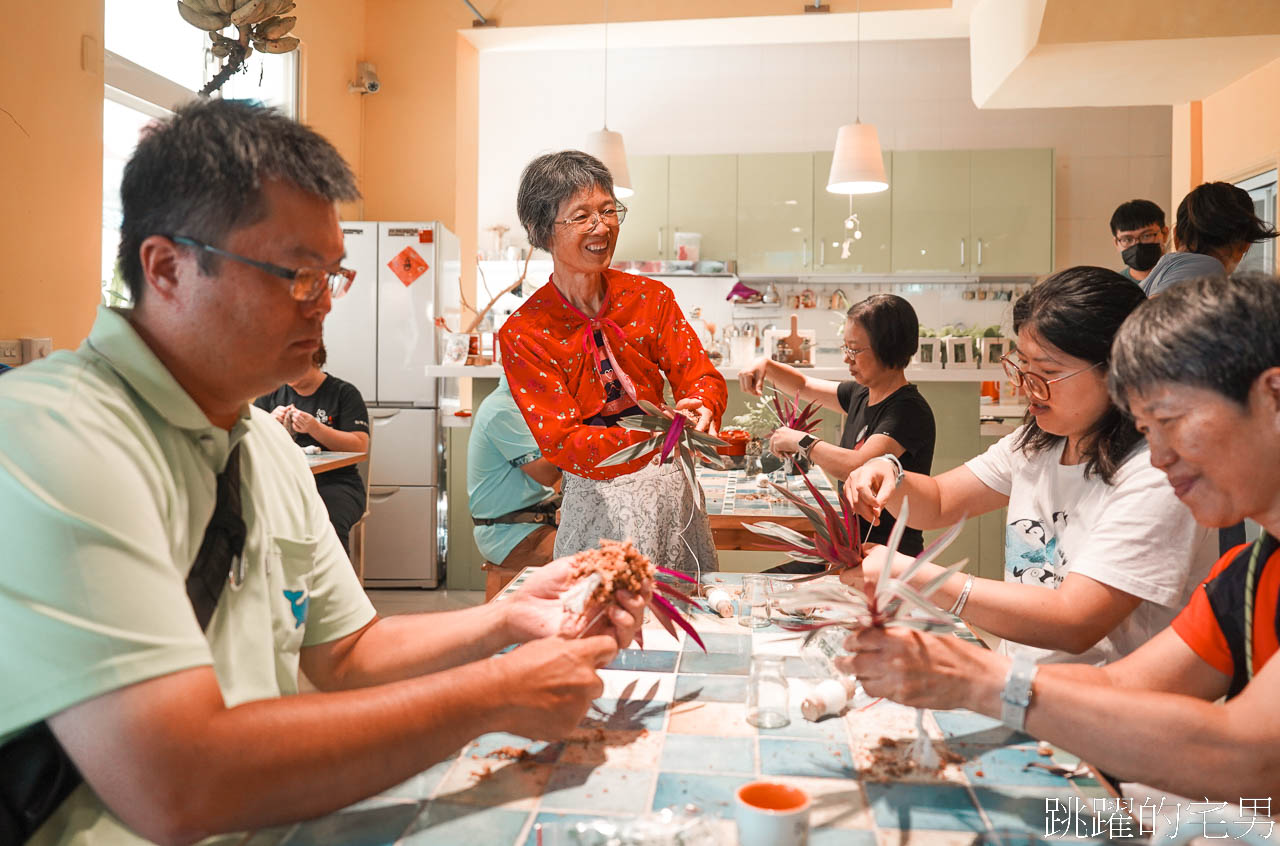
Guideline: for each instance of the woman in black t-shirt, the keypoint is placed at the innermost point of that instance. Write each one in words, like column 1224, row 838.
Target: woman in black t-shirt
column 886, row 413
column 325, row 411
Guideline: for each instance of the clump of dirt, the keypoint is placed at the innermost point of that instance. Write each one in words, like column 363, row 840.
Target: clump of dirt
column 618, row 563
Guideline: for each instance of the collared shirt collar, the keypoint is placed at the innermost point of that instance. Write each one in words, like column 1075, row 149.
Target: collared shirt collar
column 118, row 343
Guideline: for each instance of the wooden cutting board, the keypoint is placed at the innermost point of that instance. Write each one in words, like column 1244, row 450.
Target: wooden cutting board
column 793, row 343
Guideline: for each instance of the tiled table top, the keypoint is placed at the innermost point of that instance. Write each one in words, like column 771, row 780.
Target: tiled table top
column 671, row 729
column 732, row 493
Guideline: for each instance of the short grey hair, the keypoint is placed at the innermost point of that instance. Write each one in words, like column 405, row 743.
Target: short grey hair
column 1216, row 333
column 548, row 181
column 200, row 172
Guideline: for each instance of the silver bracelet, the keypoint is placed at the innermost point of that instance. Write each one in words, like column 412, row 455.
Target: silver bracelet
column 963, row 597
column 892, row 459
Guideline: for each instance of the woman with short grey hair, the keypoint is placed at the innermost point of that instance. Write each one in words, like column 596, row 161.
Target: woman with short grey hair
column 581, row 353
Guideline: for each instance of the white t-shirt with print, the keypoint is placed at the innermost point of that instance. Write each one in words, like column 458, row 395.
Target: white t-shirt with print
column 1133, row 535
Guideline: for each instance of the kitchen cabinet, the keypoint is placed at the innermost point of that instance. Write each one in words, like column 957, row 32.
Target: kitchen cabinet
column 643, row 234
column 973, row 211
column 775, row 213
column 1011, row 199
column 931, row 210
column 702, row 197
column 872, row 253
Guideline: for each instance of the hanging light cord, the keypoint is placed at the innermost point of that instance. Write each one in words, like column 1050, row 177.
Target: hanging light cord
column 857, row 107
column 606, row 63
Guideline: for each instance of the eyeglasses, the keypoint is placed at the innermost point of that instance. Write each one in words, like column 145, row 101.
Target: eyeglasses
column 852, row 352
column 1037, row 387
column 308, row 282
column 1148, row 237
column 584, row 222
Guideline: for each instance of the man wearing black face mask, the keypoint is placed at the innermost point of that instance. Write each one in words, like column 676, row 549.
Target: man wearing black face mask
column 1140, row 233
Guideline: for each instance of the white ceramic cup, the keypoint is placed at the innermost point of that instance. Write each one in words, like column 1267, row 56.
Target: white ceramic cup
column 770, row 813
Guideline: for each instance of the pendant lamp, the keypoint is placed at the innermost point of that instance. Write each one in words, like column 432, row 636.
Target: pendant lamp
column 858, row 165
column 605, row 144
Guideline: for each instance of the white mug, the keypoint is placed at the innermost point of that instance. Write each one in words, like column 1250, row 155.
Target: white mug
column 771, row 813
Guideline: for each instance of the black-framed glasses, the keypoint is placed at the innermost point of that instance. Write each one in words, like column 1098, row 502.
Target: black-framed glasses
column 585, row 222
column 1150, row 236
column 308, row 282
column 1037, row 387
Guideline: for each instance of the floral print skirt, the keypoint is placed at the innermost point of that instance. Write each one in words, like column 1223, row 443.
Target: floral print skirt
column 652, row 507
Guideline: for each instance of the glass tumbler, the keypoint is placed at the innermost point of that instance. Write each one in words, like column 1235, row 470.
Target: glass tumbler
column 753, row 608
column 767, row 693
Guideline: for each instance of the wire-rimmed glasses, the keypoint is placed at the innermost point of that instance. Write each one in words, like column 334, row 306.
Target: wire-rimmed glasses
column 1036, row 386
column 587, row 221
column 307, row 282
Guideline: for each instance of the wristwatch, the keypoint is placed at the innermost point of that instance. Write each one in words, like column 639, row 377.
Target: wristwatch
column 806, row 443
column 1016, row 696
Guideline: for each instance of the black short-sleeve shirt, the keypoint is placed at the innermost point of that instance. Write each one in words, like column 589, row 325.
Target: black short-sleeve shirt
column 336, row 404
column 904, row 416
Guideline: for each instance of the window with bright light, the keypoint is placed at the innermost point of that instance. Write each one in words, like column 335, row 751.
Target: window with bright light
column 166, row 61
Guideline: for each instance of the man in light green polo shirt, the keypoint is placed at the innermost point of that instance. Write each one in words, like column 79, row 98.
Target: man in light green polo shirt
column 109, row 455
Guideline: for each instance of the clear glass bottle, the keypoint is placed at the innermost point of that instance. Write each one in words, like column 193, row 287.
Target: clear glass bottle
column 768, row 694
column 835, row 691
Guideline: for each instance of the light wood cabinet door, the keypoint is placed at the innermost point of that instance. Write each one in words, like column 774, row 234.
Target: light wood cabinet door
column 872, row 253
column 702, row 197
column 644, row 234
column 1012, row 210
column 931, row 202
column 775, row 213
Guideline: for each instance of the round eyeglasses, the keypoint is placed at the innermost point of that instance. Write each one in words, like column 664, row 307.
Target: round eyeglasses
column 1037, row 387
column 307, row 282
column 585, row 222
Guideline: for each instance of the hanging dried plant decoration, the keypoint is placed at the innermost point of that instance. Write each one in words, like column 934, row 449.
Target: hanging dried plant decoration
column 260, row 24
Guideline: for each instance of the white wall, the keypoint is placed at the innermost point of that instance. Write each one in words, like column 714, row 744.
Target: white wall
column 791, row 98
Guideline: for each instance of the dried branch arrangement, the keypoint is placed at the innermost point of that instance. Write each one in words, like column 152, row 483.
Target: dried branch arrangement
column 261, row 25
column 618, row 565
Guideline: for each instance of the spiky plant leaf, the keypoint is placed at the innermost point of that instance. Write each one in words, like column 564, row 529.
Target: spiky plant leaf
column 630, row 453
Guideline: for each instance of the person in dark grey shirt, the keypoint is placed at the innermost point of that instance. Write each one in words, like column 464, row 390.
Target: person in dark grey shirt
column 1215, row 226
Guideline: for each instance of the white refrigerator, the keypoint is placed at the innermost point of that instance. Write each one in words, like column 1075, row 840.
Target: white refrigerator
column 380, row 337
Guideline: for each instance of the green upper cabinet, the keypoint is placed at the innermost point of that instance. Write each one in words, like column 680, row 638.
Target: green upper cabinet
column 931, row 200
column 872, row 252
column 644, row 233
column 775, row 213
column 702, row 197
column 1012, row 204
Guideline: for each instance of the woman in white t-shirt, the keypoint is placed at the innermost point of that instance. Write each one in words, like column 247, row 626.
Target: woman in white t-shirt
column 1099, row 553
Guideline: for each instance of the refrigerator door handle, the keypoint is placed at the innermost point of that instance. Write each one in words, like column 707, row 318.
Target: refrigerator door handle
column 382, row 493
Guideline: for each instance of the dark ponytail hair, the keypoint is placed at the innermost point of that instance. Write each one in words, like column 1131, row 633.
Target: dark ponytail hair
column 1218, row 216
column 1079, row 310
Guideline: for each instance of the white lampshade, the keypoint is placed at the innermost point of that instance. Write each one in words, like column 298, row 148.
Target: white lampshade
column 857, row 166
column 606, row 145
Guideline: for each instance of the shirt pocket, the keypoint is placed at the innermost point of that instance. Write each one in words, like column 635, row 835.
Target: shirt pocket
column 290, row 590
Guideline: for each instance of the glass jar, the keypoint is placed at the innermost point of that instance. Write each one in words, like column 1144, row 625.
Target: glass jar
column 753, row 604
column 768, row 695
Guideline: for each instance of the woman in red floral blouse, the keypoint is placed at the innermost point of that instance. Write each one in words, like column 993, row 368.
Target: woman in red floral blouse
column 583, row 349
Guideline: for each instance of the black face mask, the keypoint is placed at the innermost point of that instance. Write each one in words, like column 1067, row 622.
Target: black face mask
column 1142, row 256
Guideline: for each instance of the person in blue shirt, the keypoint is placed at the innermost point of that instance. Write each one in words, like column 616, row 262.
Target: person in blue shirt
column 510, row 490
